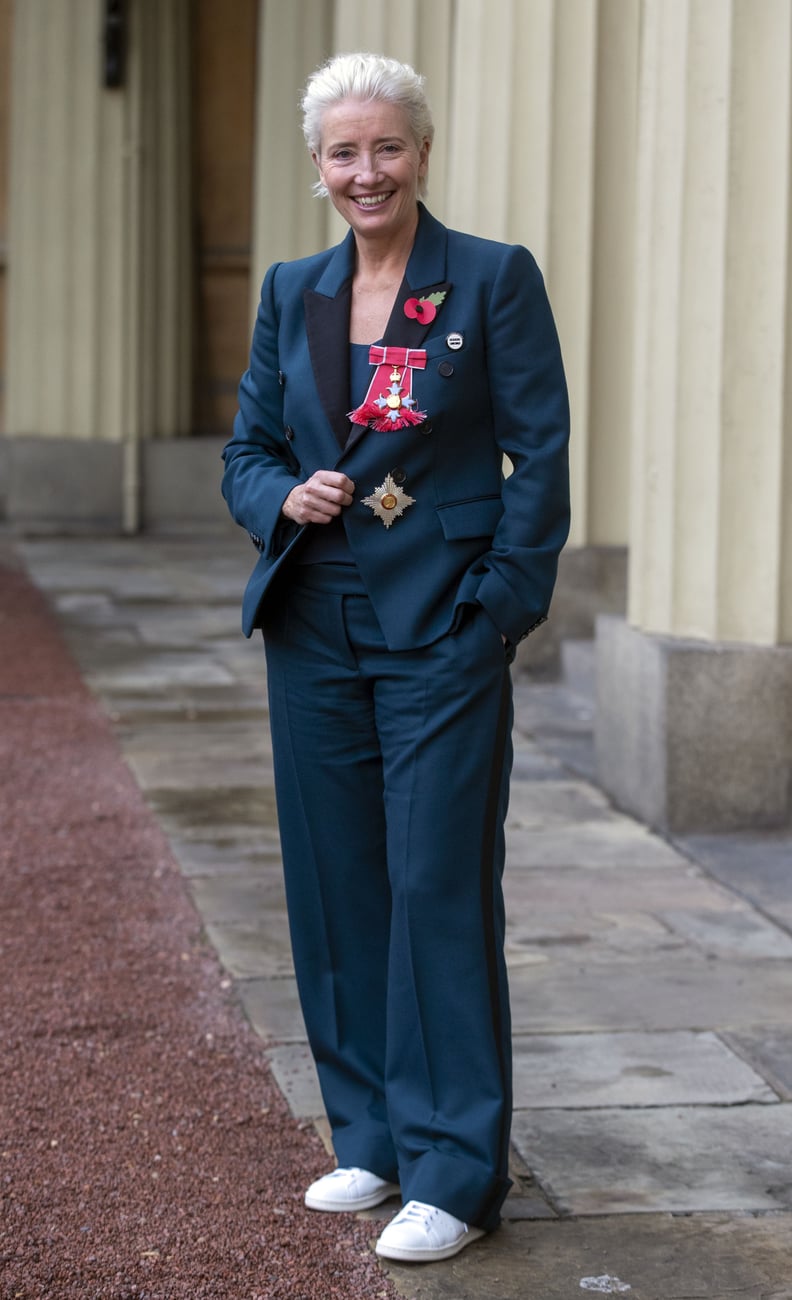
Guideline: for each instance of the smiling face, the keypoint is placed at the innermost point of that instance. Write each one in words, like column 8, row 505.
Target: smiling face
column 371, row 166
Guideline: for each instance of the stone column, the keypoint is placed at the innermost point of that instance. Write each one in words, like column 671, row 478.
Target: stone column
column 607, row 431
column 521, row 159
column 288, row 221
column 99, row 281
column 694, row 726
column 542, row 152
column 66, row 216
column 157, row 363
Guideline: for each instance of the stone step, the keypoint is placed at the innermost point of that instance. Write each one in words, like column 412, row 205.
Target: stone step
column 579, row 667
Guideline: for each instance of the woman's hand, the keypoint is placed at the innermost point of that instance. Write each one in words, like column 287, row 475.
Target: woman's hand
column 320, row 499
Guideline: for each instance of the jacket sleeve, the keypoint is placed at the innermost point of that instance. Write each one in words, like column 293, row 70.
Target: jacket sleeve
column 531, row 420
column 260, row 467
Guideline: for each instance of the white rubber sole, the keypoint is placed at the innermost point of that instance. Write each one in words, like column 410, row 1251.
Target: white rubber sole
column 347, row 1206
column 428, row 1254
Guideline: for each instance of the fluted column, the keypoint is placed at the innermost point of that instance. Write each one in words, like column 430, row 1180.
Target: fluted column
column 159, row 254
column 500, row 137
column 99, row 286
column 542, row 152
column 608, row 427
column 695, row 718
column 64, row 304
column 713, row 266
column 288, row 221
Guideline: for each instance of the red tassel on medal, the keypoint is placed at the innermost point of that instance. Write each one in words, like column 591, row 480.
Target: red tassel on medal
column 389, row 403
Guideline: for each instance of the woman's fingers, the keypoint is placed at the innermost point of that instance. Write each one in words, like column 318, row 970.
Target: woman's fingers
column 323, row 496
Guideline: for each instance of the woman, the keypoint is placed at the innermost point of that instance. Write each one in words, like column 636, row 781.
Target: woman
column 388, row 378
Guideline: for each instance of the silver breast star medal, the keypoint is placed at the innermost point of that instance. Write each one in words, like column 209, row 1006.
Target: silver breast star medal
column 388, row 501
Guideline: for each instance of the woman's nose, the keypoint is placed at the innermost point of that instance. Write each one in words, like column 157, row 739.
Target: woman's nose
column 367, row 166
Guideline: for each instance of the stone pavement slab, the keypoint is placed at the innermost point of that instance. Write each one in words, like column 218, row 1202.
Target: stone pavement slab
column 174, row 754
column 770, row 1048
column 682, row 991
column 532, row 764
column 273, row 1008
column 556, row 801
column 647, row 1257
column 579, row 1071
column 241, row 811
column 741, row 933
column 612, row 842
column 294, row 1069
column 551, row 712
column 136, row 709
column 258, row 948
column 613, row 891
column 576, row 936
column 241, row 897
column 210, row 860
column 759, row 867
column 681, row 1159
column 156, row 671
column 158, row 622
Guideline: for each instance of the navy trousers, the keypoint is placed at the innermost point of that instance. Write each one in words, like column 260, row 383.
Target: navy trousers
column 392, row 773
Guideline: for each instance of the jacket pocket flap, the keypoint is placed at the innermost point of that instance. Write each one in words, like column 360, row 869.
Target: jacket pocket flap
column 477, row 517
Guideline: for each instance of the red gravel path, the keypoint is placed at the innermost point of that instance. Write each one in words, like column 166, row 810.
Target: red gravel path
column 145, row 1151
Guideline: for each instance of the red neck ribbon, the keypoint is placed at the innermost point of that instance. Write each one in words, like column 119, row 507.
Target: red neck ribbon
column 389, row 403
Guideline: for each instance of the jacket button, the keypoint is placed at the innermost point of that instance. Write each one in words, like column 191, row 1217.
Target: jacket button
column 398, row 475
column 426, row 427
column 289, row 432
column 281, row 378
column 445, row 369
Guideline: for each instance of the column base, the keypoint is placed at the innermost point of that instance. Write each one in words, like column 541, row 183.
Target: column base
column 75, row 485
column 693, row 736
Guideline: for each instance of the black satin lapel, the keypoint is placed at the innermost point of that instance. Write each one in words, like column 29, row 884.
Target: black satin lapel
column 404, row 331
column 327, row 329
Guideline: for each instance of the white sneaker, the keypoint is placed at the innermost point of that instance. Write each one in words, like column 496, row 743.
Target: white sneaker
column 350, row 1190
column 421, row 1233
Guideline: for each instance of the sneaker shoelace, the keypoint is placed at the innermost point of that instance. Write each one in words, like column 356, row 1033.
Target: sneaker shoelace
column 418, row 1212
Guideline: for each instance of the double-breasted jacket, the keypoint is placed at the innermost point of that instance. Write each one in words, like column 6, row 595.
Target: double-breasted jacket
column 492, row 386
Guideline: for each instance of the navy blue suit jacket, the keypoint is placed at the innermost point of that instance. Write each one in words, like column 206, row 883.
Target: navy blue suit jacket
column 472, row 535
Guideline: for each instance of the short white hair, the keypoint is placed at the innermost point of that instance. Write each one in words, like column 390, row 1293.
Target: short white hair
column 365, row 77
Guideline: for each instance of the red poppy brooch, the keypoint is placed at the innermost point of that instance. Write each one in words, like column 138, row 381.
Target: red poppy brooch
column 424, row 309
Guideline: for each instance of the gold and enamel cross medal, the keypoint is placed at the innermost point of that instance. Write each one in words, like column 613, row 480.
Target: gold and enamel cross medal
column 389, row 403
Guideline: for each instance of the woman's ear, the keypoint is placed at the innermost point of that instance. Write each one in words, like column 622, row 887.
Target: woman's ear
column 423, row 157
